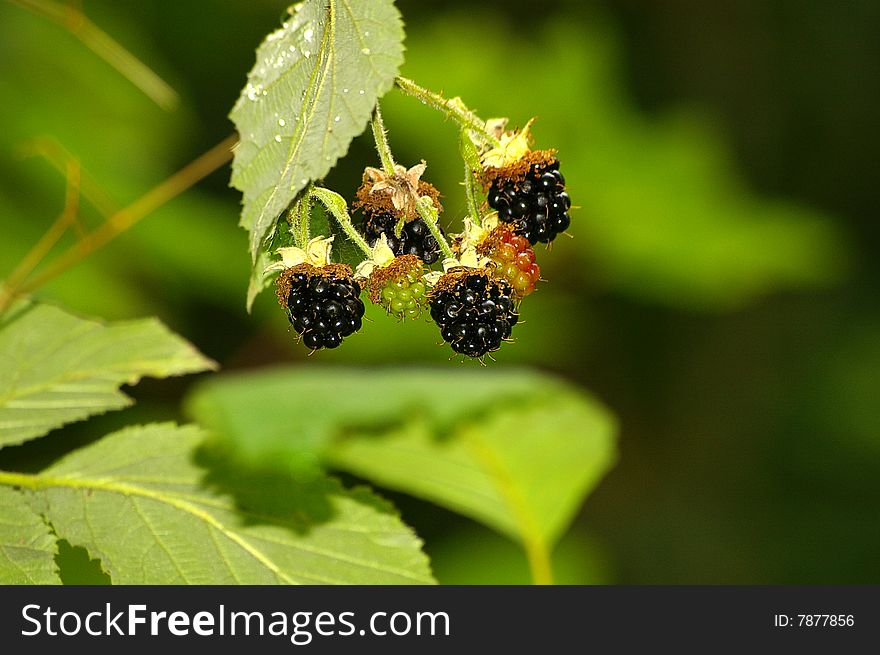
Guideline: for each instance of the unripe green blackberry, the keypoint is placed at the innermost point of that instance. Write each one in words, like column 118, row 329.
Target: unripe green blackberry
column 322, row 302
column 399, row 287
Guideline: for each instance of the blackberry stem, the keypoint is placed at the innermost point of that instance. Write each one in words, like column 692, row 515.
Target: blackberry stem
column 337, row 206
column 300, row 217
column 471, row 165
column 425, row 208
column 380, row 136
column 454, row 108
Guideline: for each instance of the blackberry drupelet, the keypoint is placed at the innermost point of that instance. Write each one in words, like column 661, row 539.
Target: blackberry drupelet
column 323, row 305
column 513, row 260
column 474, row 311
column 535, row 205
column 415, row 239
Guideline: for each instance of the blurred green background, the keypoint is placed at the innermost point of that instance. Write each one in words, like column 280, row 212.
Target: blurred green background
column 719, row 292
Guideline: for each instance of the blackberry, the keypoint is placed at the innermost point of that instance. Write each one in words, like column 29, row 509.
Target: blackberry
column 415, row 239
column 513, row 259
column 533, row 201
column 323, row 303
column 399, row 286
column 475, row 312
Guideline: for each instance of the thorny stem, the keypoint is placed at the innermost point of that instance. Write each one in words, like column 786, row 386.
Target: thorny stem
column 454, row 108
column 60, row 159
column 471, row 193
column 36, row 254
column 300, row 218
column 127, row 217
column 425, row 207
column 380, row 136
column 471, row 165
column 103, row 45
column 336, row 205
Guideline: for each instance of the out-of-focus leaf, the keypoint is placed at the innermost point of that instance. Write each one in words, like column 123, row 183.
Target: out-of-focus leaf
column 136, row 501
column 27, row 547
column 514, row 449
column 310, row 93
column 56, row 368
column 490, row 559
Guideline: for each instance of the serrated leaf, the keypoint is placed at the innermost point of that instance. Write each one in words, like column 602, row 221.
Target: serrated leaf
column 56, row 368
column 310, row 93
column 517, row 450
column 138, row 502
column 27, row 546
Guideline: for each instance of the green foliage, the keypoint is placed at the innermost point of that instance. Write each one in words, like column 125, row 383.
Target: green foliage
column 311, row 92
column 56, row 368
column 516, row 450
column 27, row 547
column 137, row 502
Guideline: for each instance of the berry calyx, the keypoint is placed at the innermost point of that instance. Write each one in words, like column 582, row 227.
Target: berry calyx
column 529, row 195
column 386, row 199
column 512, row 259
column 323, row 303
column 474, row 311
column 399, row 287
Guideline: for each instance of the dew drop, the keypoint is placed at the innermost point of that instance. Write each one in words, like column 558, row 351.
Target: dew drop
column 308, row 34
column 281, row 122
column 336, row 119
column 345, row 90
column 365, row 51
column 361, row 92
column 307, row 54
column 278, row 138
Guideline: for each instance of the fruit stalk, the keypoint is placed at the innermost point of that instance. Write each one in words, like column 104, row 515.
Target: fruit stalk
column 454, row 108
column 336, row 205
column 380, row 136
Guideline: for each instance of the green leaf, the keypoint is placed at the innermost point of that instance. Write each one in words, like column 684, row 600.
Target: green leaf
column 136, row 501
column 27, row 546
column 310, row 93
column 56, row 368
column 517, row 450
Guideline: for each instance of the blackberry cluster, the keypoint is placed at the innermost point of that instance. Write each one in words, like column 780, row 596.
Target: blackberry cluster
column 415, row 239
column 475, row 313
column 536, row 206
column 324, row 309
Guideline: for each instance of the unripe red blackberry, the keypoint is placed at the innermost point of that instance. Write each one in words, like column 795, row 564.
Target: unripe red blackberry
column 399, row 287
column 513, row 259
column 415, row 238
column 474, row 311
column 530, row 196
column 323, row 303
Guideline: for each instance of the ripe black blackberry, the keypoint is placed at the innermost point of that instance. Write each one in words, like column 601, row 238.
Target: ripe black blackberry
column 531, row 198
column 415, row 238
column 323, row 303
column 475, row 312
